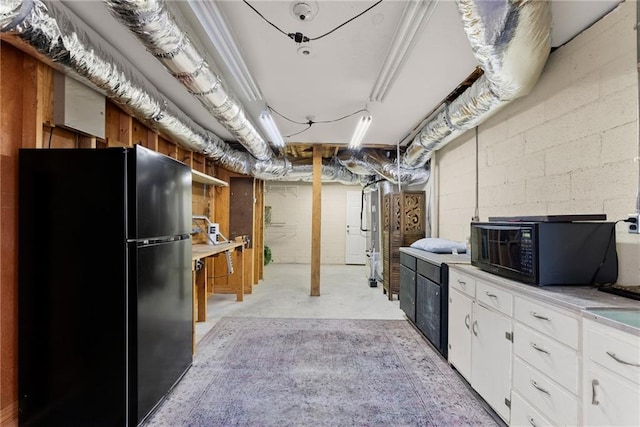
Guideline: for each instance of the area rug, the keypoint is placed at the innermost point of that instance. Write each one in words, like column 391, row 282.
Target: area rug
column 318, row 372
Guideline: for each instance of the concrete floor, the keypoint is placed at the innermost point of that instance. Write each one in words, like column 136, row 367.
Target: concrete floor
column 344, row 294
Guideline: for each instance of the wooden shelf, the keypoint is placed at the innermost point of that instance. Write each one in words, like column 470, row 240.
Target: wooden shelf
column 207, row 179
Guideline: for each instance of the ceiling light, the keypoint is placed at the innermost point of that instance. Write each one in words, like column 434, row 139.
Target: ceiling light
column 414, row 17
column 271, row 129
column 361, row 130
column 215, row 25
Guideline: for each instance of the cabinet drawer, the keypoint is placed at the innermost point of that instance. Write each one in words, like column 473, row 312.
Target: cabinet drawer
column 561, row 327
column 609, row 400
column 522, row 414
column 408, row 261
column 549, row 398
column 428, row 270
column 462, row 282
column 495, row 298
column 553, row 359
column 613, row 349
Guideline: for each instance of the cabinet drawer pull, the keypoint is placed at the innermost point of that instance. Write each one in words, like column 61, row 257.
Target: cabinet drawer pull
column 490, row 295
column 467, row 319
column 539, row 316
column 594, row 400
column 531, row 421
column 473, row 328
column 545, row 391
column 462, row 282
column 541, row 350
column 624, row 362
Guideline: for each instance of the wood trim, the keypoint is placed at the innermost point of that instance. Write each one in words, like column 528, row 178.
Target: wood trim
column 9, row 414
column 316, row 218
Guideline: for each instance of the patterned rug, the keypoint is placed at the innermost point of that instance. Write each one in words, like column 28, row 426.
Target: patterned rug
column 318, row 372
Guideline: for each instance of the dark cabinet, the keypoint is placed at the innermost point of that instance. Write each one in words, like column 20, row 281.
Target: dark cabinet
column 423, row 297
column 428, row 308
column 408, row 292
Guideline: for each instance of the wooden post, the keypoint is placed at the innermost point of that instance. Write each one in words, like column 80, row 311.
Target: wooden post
column 316, row 216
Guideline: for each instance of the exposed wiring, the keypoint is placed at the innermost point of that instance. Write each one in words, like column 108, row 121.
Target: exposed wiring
column 298, row 133
column 50, row 136
column 346, row 22
column 301, row 38
column 606, row 254
column 310, row 122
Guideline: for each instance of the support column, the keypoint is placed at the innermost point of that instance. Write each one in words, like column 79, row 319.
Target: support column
column 316, row 217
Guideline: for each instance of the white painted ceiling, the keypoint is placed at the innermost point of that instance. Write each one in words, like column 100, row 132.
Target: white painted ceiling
column 338, row 76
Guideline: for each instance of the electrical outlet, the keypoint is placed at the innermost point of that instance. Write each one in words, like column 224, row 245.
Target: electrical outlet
column 634, row 223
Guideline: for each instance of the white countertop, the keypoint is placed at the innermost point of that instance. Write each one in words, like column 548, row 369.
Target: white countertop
column 437, row 259
column 578, row 299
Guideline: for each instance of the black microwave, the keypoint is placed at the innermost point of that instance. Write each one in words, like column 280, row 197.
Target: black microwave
column 547, row 253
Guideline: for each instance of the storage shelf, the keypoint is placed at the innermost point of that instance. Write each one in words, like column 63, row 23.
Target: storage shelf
column 202, row 178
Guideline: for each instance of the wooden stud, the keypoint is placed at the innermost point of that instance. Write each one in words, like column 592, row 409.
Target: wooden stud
column 316, row 217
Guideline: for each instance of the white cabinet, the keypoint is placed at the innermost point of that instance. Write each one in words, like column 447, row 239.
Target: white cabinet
column 546, row 368
column 611, row 393
column 460, row 311
column 479, row 338
column 491, row 358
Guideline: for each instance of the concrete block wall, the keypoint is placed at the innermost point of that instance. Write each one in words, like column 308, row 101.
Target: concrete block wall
column 289, row 236
column 570, row 146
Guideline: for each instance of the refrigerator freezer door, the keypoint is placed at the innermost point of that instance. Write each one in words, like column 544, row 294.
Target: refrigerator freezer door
column 164, row 319
column 159, row 196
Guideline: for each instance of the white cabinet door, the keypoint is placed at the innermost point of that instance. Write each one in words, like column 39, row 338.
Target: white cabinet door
column 460, row 308
column 610, row 400
column 491, row 358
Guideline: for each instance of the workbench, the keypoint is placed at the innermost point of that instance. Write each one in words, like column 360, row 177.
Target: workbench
column 201, row 252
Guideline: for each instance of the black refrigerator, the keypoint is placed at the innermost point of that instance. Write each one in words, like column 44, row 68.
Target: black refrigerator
column 105, row 293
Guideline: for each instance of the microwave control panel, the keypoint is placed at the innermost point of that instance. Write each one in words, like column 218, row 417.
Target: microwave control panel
column 526, row 251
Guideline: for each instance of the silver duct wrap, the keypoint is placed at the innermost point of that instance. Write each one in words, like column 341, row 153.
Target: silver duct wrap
column 159, row 32
column 72, row 47
column 371, row 162
column 511, row 41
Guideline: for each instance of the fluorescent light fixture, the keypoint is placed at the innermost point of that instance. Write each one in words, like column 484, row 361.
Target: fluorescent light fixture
column 415, row 16
column 361, row 130
column 215, row 25
column 271, row 129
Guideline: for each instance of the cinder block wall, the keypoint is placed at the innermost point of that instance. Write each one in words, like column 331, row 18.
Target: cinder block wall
column 568, row 147
column 289, row 236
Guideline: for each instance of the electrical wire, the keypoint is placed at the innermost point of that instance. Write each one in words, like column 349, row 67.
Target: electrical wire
column 299, row 37
column 310, row 123
column 346, row 22
column 298, row 133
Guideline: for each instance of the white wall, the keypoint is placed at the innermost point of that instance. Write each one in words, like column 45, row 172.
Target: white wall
column 291, row 206
column 568, row 147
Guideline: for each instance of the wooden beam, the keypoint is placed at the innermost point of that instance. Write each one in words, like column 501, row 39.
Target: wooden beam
column 316, row 217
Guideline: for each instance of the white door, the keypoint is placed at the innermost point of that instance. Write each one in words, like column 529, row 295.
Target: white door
column 356, row 239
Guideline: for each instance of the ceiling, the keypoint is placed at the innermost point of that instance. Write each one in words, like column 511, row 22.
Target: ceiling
column 336, row 78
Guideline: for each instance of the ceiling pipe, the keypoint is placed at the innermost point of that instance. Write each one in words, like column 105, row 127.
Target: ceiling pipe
column 158, row 31
column 373, row 162
column 56, row 33
column 511, row 39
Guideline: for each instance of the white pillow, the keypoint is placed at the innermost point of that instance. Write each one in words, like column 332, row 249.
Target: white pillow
column 439, row 246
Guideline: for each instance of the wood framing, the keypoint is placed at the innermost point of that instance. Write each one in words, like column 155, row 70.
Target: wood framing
column 316, row 218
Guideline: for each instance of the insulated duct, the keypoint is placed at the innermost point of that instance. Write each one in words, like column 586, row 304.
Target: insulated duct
column 511, row 41
column 371, row 162
column 72, row 47
column 157, row 30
